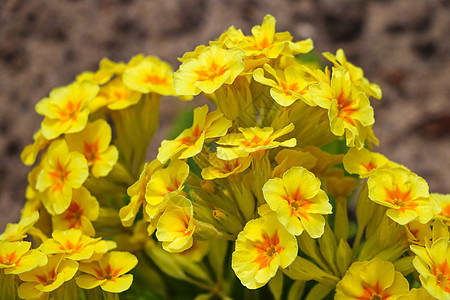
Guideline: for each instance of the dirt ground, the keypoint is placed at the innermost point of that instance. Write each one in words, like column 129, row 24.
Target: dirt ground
column 403, row 45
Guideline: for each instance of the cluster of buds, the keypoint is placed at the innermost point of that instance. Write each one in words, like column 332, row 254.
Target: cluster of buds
column 278, row 186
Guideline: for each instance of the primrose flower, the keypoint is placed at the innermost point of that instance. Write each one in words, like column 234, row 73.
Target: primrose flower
column 108, row 69
column 374, row 279
column 356, row 73
column 261, row 248
column 115, row 95
column 73, row 244
column 17, row 258
column 348, row 107
column 176, row 226
column 150, row 75
column 61, row 172
column 288, row 158
column 298, row 201
column 18, row 231
column 265, row 42
column 214, row 67
column 83, row 209
column 252, row 140
column 108, row 272
column 363, row 161
column 444, row 202
column 94, row 143
column 290, row 85
column 47, row 278
column 433, row 265
column 163, row 184
column 404, row 193
column 137, row 192
column 66, row 110
column 190, row 141
column 223, row 168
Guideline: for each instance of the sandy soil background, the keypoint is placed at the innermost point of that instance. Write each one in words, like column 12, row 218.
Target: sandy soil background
column 403, row 45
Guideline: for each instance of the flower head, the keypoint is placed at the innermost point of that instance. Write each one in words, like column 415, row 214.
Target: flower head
column 83, row 209
column 46, row 278
column 223, row 168
column 94, row 143
column 115, row 95
column 66, row 110
column 444, row 202
column 433, row 265
column 190, row 142
column 206, row 73
column 404, row 193
column 289, row 86
column 348, row 107
column 108, row 272
column 17, row 258
column 18, row 231
column 176, row 226
column 261, row 248
column 370, row 280
column 252, row 140
column 61, row 172
column 298, row 201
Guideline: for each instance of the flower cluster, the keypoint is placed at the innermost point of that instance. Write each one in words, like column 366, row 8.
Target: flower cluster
column 260, row 188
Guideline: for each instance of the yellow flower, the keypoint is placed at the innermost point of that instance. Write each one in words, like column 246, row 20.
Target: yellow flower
column 83, row 209
column 417, row 294
column 214, row 67
column 290, row 84
column 150, row 75
column 17, row 258
column 369, row 280
column 94, row 143
column 298, row 201
column 433, row 265
column 252, row 140
column 176, row 226
column 404, row 193
column 110, row 68
column 261, row 248
column 190, row 141
column 348, row 107
column 363, row 162
column 163, row 184
column 137, row 192
column 444, row 202
column 108, row 272
column 30, row 153
column 74, row 245
column 115, row 95
column 66, row 110
column 61, row 172
column 18, row 231
column 223, row 168
column 46, row 278
column 418, row 233
column 356, row 73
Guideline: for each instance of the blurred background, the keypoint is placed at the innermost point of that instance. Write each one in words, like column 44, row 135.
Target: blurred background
column 402, row 45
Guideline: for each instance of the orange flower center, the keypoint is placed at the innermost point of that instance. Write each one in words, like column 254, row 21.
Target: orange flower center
column 91, row 151
column 374, row 293
column 155, row 79
column 211, row 72
column 442, row 273
column 400, row 198
column 267, row 249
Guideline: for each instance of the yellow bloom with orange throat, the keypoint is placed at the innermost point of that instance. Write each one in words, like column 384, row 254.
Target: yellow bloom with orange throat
column 66, row 110
column 404, row 193
column 206, row 73
column 369, row 280
column 17, row 257
column 252, row 140
column 433, row 264
column 299, row 202
column 348, row 107
column 261, row 248
column 62, row 171
column 176, row 226
column 190, row 142
column 108, row 272
column 94, row 143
